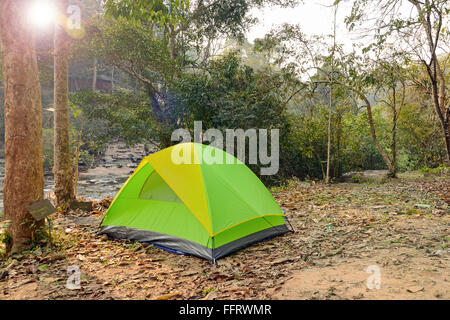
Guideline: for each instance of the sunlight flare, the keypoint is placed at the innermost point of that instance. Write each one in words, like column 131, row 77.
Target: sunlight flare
column 42, row 14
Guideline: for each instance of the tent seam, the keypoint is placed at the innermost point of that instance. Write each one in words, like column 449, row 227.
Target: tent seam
column 139, row 168
column 207, row 195
column 247, row 220
column 201, row 222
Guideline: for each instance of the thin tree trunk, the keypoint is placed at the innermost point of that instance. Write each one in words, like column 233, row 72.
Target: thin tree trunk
column 373, row 134
column 383, row 153
column 435, row 72
column 394, row 147
column 327, row 178
column 442, row 111
column 393, row 173
column 94, row 77
column 24, row 175
column 77, row 159
column 112, row 80
column 446, row 126
column 173, row 50
column 63, row 161
column 337, row 166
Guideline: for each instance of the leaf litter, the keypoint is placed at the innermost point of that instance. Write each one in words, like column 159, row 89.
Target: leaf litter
column 401, row 225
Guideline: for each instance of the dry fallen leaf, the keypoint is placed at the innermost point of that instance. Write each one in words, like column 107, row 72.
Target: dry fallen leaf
column 415, row 289
column 168, row 296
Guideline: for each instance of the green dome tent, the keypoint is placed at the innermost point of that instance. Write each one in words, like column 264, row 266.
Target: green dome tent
column 194, row 199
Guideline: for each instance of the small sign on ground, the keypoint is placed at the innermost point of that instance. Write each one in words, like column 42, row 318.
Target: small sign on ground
column 83, row 205
column 41, row 209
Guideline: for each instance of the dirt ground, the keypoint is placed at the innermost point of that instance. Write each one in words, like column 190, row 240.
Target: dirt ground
column 394, row 231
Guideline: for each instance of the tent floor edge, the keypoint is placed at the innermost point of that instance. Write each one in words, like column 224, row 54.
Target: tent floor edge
column 183, row 246
column 260, row 236
column 164, row 241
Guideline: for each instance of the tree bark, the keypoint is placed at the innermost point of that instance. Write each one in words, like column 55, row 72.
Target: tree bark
column 434, row 70
column 330, row 112
column 383, row 153
column 63, row 171
column 94, row 77
column 24, row 175
column 394, row 146
column 393, row 173
column 337, row 166
column 112, row 80
column 373, row 133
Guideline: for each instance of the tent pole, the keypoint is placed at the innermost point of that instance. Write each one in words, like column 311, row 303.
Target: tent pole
column 285, row 216
column 292, row 228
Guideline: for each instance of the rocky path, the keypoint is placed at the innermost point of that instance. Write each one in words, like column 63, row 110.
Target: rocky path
column 106, row 176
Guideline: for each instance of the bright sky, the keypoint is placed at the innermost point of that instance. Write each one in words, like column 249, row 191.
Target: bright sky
column 314, row 17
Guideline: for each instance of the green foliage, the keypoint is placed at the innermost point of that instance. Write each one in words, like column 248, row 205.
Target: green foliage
column 231, row 96
column 152, row 11
column 125, row 114
column 139, row 50
column 420, row 136
column 169, row 78
column 5, row 238
column 442, row 170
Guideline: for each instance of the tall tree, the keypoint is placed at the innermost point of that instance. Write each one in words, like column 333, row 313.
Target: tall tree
column 420, row 34
column 390, row 84
column 24, row 176
column 350, row 71
column 63, row 171
column 94, row 76
column 356, row 74
column 330, row 113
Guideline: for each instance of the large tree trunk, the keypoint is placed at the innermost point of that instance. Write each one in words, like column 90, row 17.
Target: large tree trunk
column 24, row 175
column 63, row 161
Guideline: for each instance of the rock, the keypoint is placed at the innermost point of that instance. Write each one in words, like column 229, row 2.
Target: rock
column 81, row 258
column 211, row 296
column 107, row 182
column 439, row 252
column 415, row 289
